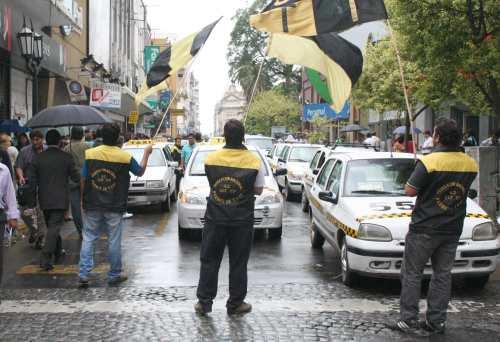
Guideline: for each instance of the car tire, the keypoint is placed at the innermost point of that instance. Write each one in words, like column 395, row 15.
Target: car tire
column 305, row 202
column 184, row 234
column 317, row 240
column 288, row 194
column 349, row 278
column 477, row 282
column 166, row 205
column 275, row 233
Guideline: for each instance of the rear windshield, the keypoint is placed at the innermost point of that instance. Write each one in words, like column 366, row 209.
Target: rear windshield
column 262, row 143
column 302, row 154
column 155, row 159
column 198, row 163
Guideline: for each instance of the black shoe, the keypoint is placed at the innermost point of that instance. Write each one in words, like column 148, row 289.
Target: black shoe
column 407, row 328
column 243, row 308
column 435, row 328
column 201, row 309
column 83, row 283
column 117, row 280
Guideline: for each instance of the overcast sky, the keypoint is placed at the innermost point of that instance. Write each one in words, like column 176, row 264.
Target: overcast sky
column 179, row 18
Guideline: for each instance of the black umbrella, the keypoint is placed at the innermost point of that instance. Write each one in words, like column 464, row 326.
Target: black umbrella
column 68, row 115
column 353, row 128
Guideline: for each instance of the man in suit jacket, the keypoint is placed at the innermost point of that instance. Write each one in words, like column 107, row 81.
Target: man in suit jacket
column 50, row 174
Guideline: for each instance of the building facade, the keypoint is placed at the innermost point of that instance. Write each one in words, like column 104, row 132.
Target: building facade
column 192, row 103
column 232, row 106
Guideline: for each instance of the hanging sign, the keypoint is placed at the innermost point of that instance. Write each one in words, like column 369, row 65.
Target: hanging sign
column 105, row 95
column 76, row 91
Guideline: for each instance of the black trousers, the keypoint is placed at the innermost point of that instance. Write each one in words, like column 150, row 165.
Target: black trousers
column 239, row 242
column 54, row 219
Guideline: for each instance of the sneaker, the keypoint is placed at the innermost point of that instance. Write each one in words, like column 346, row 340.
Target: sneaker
column 117, row 280
column 406, row 327
column 435, row 328
column 83, row 283
column 243, row 308
column 201, row 309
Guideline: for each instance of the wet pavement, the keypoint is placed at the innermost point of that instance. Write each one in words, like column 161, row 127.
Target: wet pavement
column 295, row 290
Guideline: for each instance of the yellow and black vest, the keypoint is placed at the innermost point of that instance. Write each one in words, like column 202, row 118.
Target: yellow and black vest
column 108, row 179
column 441, row 204
column 231, row 174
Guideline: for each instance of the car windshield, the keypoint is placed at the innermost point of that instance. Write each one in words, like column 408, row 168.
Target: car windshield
column 302, row 154
column 198, row 164
column 377, row 177
column 262, row 143
column 155, row 159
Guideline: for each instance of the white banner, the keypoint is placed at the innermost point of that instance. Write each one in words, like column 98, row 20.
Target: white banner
column 105, row 95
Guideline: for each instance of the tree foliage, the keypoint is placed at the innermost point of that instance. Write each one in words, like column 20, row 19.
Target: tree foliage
column 455, row 48
column 321, row 130
column 272, row 108
column 246, row 52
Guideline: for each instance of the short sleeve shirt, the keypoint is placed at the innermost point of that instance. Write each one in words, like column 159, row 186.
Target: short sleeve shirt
column 187, row 150
column 442, row 180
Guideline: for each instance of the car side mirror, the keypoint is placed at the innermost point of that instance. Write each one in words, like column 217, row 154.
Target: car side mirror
column 281, row 172
column 328, row 196
column 315, row 171
column 472, row 194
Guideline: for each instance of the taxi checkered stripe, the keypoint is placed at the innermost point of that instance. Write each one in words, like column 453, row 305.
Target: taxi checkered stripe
column 347, row 230
column 408, row 214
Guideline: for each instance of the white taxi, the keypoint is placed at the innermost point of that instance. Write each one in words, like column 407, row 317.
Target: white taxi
column 194, row 190
column 295, row 159
column 157, row 185
column 358, row 205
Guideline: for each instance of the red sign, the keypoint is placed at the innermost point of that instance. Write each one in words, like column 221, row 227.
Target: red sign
column 6, row 27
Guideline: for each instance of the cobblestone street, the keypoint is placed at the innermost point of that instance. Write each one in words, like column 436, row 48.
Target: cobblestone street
column 295, row 292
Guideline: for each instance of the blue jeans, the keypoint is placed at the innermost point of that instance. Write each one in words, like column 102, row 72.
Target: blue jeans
column 93, row 223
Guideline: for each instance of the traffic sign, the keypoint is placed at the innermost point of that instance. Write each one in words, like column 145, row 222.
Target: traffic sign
column 133, row 118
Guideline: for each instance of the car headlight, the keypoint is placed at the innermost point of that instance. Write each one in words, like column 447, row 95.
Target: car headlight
column 484, row 231
column 295, row 175
column 268, row 198
column 156, row 184
column 373, row 232
column 190, row 198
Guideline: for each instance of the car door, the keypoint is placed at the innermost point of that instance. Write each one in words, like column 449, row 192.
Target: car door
column 282, row 165
column 319, row 185
column 333, row 212
column 309, row 176
column 171, row 169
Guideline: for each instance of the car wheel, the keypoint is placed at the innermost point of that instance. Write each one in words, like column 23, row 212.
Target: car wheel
column 477, row 282
column 165, row 205
column 348, row 277
column 275, row 233
column 184, row 233
column 287, row 193
column 305, row 202
column 317, row 240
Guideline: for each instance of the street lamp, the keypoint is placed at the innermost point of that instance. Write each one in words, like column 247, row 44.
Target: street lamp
column 31, row 44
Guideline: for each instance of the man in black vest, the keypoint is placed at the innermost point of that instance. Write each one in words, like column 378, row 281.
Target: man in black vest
column 50, row 174
column 235, row 176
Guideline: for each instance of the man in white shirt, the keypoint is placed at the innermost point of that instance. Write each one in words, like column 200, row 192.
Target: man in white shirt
column 428, row 143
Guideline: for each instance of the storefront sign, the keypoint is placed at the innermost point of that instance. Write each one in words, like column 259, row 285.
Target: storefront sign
column 6, row 27
column 76, row 91
column 165, row 97
column 151, row 52
column 105, row 95
column 133, row 118
column 324, row 110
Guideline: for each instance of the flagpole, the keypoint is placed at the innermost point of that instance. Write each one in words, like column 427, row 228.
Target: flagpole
column 405, row 90
column 253, row 90
column 177, row 92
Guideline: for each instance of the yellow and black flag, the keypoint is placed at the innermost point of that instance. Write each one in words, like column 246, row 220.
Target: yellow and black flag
column 339, row 61
column 173, row 58
column 312, row 17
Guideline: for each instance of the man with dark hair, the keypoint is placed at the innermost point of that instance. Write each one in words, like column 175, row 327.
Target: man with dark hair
column 187, row 150
column 176, row 154
column 197, row 138
column 30, row 212
column 235, row 176
column 98, row 138
column 441, row 181
column 77, row 148
column 104, row 185
column 50, row 174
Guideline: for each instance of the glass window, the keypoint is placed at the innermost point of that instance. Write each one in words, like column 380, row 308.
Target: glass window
column 325, row 172
column 377, row 177
column 302, row 154
column 314, row 161
column 155, row 159
column 284, row 152
column 321, row 160
column 262, row 143
column 333, row 184
column 278, row 150
column 168, row 155
column 198, row 164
